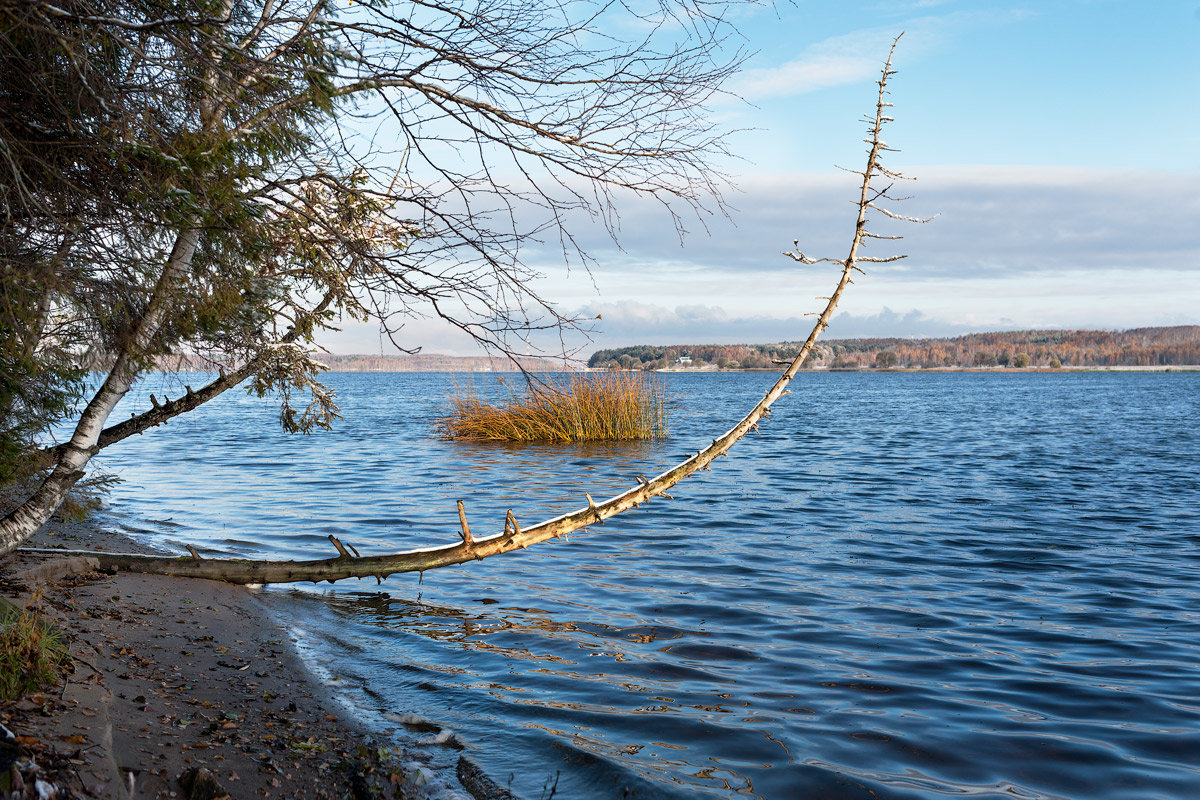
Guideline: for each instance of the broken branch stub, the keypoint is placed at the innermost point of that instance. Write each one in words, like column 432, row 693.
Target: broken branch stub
column 513, row 536
column 462, row 521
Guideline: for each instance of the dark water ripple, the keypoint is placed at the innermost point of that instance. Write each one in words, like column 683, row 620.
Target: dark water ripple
column 906, row 586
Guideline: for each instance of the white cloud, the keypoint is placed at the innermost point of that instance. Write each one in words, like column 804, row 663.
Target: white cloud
column 431, row 335
column 840, row 60
column 633, row 322
column 990, row 221
column 805, row 74
column 858, row 56
column 1013, row 247
column 892, row 324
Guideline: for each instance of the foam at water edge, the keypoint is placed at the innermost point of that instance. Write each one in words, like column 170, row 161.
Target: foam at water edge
column 431, row 772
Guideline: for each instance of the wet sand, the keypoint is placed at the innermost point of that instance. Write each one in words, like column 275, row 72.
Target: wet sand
column 187, row 688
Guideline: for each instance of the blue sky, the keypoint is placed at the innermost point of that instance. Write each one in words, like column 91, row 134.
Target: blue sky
column 1057, row 141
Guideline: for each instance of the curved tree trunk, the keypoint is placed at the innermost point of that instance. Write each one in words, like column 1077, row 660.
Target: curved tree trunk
column 21, row 523
column 514, row 537
column 167, row 410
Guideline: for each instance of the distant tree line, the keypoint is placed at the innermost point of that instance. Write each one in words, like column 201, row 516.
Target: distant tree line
column 431, row 362
column 648, row 357
column 1140, row 347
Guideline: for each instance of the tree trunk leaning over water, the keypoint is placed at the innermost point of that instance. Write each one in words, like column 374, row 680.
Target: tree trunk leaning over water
column 514, row 536
column 237, row 129
column 163, row 412
column 26, row 518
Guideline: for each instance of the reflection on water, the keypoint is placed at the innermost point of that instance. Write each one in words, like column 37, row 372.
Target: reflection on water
column 905, row 586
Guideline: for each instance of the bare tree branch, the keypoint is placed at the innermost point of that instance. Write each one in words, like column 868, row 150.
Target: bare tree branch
column 513, row 536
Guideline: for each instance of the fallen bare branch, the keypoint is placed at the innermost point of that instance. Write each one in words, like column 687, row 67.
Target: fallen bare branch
column 513, row 537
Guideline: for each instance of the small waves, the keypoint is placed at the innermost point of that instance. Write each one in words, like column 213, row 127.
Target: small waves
column 906, row 586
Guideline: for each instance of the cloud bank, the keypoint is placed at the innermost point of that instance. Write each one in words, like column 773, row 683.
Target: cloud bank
column 633, row 322
column 1011, row 247
column 990, row 222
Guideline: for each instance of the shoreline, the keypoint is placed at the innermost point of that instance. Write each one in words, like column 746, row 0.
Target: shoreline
column 187, row 688
column 934, row 370
column 714, row 370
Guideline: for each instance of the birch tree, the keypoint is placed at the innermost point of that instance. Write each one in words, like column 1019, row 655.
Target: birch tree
column 876, row 198
column 229, row 178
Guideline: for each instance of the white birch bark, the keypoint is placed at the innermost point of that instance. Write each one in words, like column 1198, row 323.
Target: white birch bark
column 24, row 520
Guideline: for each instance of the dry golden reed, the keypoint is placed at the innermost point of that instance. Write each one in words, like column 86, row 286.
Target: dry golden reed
column 575, row 408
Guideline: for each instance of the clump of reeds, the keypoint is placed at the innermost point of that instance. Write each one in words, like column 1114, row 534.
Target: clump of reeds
column 576, row 408
column 33, row 654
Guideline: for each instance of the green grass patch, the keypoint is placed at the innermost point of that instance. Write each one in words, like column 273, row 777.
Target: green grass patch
column 33, row 654
column 606, row 406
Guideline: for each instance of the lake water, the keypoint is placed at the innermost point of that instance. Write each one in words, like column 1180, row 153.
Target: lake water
column 906, row 586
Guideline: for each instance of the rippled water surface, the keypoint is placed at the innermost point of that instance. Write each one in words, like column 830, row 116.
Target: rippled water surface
column 907, row 585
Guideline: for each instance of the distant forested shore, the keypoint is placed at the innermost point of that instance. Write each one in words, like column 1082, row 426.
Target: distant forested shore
column 1140, row 347
column 433, row 362
column 1151, row 348
column 368, row 362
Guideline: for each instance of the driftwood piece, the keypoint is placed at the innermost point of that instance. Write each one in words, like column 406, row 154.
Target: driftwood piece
column 514, row 537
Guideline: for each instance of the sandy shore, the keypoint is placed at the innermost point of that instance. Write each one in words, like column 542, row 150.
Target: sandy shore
column 187, row 688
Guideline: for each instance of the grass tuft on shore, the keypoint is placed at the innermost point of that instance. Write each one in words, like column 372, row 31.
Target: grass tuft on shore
column 33, row 654
column 591, row 407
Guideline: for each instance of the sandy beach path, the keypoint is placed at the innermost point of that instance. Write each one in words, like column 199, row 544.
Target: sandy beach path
column 178, row 676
